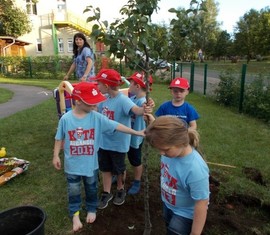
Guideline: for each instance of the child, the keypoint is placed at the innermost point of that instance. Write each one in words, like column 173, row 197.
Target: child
column 81, row 131
column 178, row 106
column 113, row 147
column 137, row 88
column 184, row 177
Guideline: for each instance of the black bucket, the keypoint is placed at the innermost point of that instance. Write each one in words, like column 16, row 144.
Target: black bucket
column 23, row 220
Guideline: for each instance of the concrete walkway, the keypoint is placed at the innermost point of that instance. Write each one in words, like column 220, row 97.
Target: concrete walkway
column 24, row 97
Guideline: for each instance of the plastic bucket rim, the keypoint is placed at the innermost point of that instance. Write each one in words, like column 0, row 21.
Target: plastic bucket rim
column 41, row 224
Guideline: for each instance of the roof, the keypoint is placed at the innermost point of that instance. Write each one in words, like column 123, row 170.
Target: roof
column 9, row 39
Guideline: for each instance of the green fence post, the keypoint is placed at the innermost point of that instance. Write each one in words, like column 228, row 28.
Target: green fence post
column 30, row 67
column 205, row 79
column 173, row 76
column 242, row 87
column 181, row 69
column 192, row 76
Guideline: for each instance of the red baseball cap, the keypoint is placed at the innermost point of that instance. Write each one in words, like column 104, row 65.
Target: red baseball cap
column 109, row 77
column 180, row 83
column 88, row 93
column 140, row 79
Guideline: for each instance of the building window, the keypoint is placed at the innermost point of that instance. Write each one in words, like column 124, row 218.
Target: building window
column 70, row 44
column 61, row 5
column 60, row 45
column 31, row 7
column 39, row 45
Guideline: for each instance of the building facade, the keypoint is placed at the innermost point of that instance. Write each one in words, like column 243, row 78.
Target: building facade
column 54, row 22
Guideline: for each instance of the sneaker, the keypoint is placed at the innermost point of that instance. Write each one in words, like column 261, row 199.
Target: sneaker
column 119, row 198
column 135, row 188
column 104, row 200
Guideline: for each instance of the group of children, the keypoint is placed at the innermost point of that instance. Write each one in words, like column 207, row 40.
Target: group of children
column 105, row 125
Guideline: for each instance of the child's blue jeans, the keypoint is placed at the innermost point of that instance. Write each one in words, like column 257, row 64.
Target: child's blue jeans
column 176, row 225
column 74, row 192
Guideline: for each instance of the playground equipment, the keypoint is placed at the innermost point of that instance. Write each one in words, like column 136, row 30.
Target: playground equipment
column 63, row 96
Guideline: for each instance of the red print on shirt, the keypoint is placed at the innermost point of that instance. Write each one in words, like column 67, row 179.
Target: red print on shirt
column 168, row 185
column 81, row 141
column 108, row 113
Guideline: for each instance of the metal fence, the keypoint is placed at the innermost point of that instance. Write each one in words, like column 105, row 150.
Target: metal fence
column 204, row 78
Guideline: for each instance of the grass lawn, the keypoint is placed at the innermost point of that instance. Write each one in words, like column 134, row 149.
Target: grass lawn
column 226, row 138
column 5, row 95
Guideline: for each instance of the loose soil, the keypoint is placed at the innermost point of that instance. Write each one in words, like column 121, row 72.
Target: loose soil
column 234, row 215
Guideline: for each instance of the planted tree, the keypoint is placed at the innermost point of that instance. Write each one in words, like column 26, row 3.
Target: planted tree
column 133, row 38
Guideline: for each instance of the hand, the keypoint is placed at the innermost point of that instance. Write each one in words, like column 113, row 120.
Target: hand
column 65, row 77
column 83, row 78
column 147, row 108
column 56, row 163
column 148, row 117
column 141, row 133
column 151, row 102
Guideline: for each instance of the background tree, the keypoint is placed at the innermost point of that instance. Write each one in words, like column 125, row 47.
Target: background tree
column 208, row 28
column 245, row 32
column 252, row 34
column 13, row 21
column 262, row 40
column 195, row 28
column 223, row 45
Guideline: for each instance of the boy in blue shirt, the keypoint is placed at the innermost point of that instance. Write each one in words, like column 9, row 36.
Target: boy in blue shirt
column 114, row 146
column 137, row 88
column 80, row 132
column 178, row 106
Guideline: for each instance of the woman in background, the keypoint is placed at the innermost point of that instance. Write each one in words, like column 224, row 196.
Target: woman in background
column 83, row 60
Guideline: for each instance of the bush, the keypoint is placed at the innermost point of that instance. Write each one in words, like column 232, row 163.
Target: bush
column 48, row 67
column 228, row 89
column 257, row 99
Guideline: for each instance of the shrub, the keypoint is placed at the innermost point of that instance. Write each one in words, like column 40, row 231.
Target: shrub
column 257, row 99
column 228, row 89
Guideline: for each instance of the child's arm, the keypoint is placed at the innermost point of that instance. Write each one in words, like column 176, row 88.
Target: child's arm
column 56, row 159
column 147, row 108
column 128, row 130
column 192, row 125
column 199, row 218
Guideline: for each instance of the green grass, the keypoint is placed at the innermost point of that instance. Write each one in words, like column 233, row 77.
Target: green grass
column 226, row 138
column 5, row 95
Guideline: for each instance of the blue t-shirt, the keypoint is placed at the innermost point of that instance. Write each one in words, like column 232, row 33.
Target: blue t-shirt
column 184, row 180
column 185, row 112
column 81, row 63
column 117, row 108
column 137, row 123
column 82, row 138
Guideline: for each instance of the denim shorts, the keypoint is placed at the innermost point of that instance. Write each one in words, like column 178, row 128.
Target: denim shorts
column 135, row 156
column 176, row 224
column 111, row 161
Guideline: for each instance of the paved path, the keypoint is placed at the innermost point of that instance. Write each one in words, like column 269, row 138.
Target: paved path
column 24, row 97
